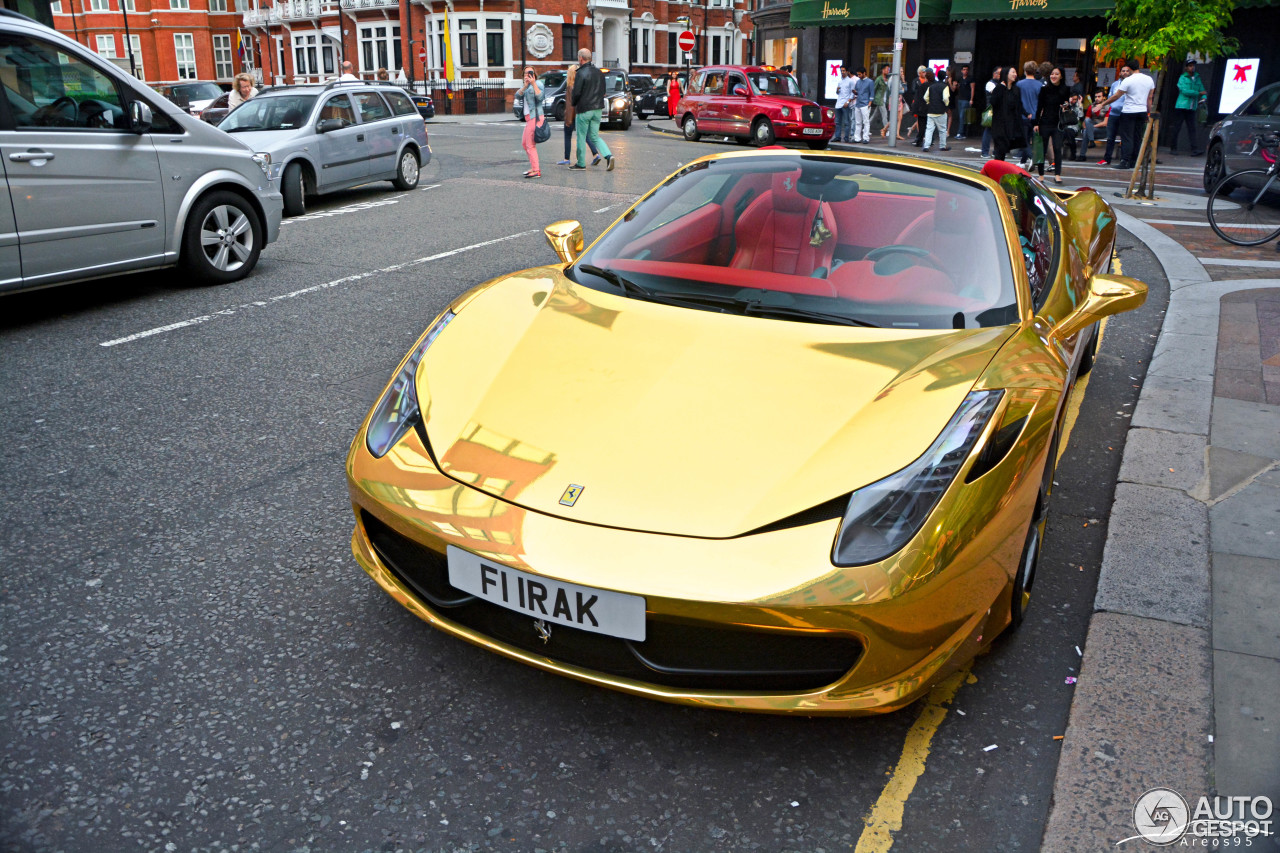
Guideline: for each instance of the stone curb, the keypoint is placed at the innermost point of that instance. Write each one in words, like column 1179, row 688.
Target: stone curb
column 1136, row 721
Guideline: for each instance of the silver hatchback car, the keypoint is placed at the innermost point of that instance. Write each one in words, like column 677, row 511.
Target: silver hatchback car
column 104, row 176
column 328, row 137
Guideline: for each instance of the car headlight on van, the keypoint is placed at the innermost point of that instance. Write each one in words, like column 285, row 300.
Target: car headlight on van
column 263, row 159
column 619, row 103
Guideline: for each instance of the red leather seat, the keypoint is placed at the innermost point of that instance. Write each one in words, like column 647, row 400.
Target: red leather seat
column 773, row 233
column 960, row 240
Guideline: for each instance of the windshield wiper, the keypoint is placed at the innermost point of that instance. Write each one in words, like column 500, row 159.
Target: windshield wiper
column 760, row 309
column 244, row 127
column 624, row 284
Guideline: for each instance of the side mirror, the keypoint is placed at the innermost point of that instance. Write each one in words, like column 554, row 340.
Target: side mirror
column 1108, row 294
column 741, row 91
column 565, row 238
column 325, row 125
column 139, row 117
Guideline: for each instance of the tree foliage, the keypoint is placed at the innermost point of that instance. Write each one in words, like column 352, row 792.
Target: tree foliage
column 1158, row 29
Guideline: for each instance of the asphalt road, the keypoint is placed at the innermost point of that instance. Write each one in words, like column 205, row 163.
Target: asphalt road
column 193, row 660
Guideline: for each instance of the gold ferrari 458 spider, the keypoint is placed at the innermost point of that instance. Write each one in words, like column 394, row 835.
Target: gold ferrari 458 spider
column 782, row 439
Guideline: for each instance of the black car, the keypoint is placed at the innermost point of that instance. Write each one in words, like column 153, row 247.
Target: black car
column 1233, row 141
column 552, row 86
column 618, row 101
column 650, row 98
column 426, row 107
column 217, row 109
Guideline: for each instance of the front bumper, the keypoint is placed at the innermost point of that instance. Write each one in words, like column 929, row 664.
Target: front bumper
column 797, row 130
column 890, row 630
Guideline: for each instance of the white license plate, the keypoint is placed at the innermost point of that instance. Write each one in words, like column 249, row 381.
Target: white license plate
column 813, row 131
column 600, row 611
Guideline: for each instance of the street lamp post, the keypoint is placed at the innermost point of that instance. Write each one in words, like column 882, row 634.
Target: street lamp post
column 128, row 40
column 523, row 63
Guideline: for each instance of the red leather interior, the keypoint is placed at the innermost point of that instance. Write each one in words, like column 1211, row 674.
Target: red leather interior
column 997, row 169
column 957, row 234
column 916, row 285
column 878, row 218
column 729, row 276
column 688, row 239
column 773, row 232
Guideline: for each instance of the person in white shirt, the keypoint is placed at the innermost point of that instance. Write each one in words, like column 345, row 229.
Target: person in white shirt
column 242, row 92
column 844, row 107
column 347, row 71
column 1138, row 91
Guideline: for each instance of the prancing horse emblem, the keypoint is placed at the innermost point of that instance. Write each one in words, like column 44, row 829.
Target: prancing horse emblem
column 543, row 629
column 571, row 494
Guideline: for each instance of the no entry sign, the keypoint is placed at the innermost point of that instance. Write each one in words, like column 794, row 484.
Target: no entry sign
column 685, row 40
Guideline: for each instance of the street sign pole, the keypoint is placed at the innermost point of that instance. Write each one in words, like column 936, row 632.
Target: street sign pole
column 894, row 80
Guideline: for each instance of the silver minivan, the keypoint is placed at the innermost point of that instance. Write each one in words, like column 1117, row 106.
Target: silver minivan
column 104, row 176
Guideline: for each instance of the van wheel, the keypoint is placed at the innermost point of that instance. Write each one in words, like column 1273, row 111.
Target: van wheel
column 294, row 189
column 762, row 132
column 691, row 129
column 222, row 240
column 407, row 172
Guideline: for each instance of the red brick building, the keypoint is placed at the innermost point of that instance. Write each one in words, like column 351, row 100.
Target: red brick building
column 307, row 40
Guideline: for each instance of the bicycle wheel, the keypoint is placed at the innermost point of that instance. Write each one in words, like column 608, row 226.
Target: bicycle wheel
column 1249, row 215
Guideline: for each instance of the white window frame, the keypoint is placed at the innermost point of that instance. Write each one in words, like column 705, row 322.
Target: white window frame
column 99, row 5
column 381, row 46
column 224, row 64
column 105, row 45
column 180, row 4
column 135, row 43
column 56, row 7
column 217, row 5
column 184, row 54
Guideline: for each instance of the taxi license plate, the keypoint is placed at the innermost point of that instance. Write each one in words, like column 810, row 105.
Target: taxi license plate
column 813, row 131
column 600, row 611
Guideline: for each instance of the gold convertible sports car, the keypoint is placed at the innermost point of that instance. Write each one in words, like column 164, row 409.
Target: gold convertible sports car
column 782, row 439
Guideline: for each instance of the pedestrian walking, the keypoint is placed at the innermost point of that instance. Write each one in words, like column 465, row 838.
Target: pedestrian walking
column 1049, row 106
column 569, row 124
column 1138, row 90
column 1113, row 122
column 844, row 107
column 1006, row 115
column 588, row 101
column 1191, row 95
column 673, row 96
column 987, row 90
column 966, row 89
column 937, row 98
column 919, row 108
column 880, row 101
column 1028, row 89
column 533, row 117
column 863, row 90
column 242, row 91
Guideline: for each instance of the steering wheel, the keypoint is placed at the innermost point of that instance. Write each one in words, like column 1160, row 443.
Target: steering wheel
column 916, row 255
column 94, row 113
column 60, row 113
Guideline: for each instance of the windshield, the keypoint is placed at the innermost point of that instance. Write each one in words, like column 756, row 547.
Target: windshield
column 194, row 92
column 814, row 238
column 773, row 83
column 641, row 82
column 267, row 112
column 614, row 83
column 551, row 80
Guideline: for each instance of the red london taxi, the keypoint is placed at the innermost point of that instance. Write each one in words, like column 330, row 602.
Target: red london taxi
column 753, row 103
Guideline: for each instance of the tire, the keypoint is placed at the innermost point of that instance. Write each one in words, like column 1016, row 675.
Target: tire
column 762, row 132
column 1252, row 216
column 407, row 171
column 1215, row 168
column 819, row 144
column 642, row 115
column 1020, row 601
column 691, row 129
column 222, row 239
column 1086, row 361
column 558, row 111
column 294, row 189
column 626, row 121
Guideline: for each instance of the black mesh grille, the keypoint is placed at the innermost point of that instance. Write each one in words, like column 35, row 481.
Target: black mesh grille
column 674, row 654
column 811, row 115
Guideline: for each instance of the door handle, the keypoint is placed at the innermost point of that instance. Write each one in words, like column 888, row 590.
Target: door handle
column 29, row 156
column 394, row 131
column 359, row 137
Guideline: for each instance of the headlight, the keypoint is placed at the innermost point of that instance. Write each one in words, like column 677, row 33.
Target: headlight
column 826, row 113
column 786, row 112
column 263, row 159
column 548, row 102
column 619, row 103
column 398, row 409
column 883, row 516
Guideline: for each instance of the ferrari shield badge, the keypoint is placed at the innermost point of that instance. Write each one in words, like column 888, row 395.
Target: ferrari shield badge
column 570, row 496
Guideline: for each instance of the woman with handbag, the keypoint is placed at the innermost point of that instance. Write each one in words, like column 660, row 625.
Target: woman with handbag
column 1053, row 97
column 534, row 118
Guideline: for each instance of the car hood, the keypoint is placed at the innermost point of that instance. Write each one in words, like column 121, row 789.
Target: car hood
column 268, row 140
column 677, row 420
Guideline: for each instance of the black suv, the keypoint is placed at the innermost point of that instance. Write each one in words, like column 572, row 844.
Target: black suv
column 650, row 99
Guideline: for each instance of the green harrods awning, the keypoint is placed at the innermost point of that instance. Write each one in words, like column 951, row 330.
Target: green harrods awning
column 982, row 10
column 845, row 13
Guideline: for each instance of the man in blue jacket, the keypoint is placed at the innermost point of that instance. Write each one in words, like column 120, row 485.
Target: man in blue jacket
column 588, row 100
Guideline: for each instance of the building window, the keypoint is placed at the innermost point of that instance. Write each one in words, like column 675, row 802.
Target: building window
column 468, row 45
column 217, row 5
column 493, row 42
column 305, row 58
column 380, row 48
column 135, row 48
column 184, row 50
column 569, row 40
column 715, row 50
column 646, row 47
column 280, row 56
column 222, row 67
column 106, row 46
column 242, row 5
column 129, row 5
column 99, row 5
column 56, row 7
column 673, row 54
column 179, row 4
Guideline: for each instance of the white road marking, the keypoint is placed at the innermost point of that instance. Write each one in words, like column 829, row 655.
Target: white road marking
column 603, row 209
column 1233, row 262
column 340, row 211
column 433, row 186
column 227, row 312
